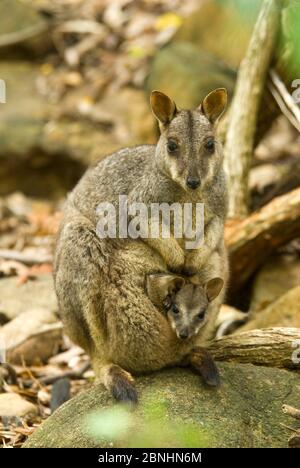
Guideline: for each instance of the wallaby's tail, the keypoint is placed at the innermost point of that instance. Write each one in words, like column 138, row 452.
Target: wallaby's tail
column 119, row 383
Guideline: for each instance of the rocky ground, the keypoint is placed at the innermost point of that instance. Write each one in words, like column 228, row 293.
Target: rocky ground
column 84, row 70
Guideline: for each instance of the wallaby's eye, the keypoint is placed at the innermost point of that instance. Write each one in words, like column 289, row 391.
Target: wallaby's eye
column 201, row 314
column 172, row 146
column 210, row 145
column 175, row 309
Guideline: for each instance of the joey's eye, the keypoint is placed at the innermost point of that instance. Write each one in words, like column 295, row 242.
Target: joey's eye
column 201, row 314
column 172, row 146
column 175, row 309
column 210, row 145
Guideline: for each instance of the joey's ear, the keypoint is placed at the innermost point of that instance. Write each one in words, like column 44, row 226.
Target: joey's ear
column 214, row 104
column 160, row 285
column 162, row 107
column 213, row 288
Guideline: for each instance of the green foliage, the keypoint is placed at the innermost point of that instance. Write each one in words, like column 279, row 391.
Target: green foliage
column 247, row 10
column 291, row 37
column 117, row 426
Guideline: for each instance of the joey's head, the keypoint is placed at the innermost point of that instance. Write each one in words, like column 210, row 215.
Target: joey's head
column 185, row 303
column 187, row 309
column 188, row 151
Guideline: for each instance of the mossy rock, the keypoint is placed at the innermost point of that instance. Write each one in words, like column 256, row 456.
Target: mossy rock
column 43, row 154
column 276, row 277
column 284, row 312
column 188, row 74
column 23, row 30
column 244, row 412
column 222, row 28
column 16, row 16
column 18, row 298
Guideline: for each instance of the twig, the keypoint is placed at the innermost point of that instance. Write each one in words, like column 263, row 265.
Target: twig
column 11, row 373
column 284, row 100
column 291, row 411
column 292, row 429
column 33, row 378
column 17, row 37
column 68, row 374
column 82, row 27
column 27, row 259
column 74, row 54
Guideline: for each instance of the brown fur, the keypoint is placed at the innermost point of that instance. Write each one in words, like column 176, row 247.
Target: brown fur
column 185, row 302
column 100, row 282
column 182, row 300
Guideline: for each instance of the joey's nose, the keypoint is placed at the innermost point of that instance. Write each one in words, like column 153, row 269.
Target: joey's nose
column 193, row 182
column 183, row 334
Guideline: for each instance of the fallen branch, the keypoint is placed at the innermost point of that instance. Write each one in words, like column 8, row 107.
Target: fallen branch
column 14, row 38
column 27, row 259
column 294, row 440
column 291, row 411
column 252, row 240
column 74, row 54
column 243, row 113
column 229, row 319
column 284, row 100
column 51, row 379
column 267, row 347
column 82, row 27
column 11, row 373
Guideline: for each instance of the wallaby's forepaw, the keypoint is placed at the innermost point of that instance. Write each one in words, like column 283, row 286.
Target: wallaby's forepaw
column 203, row 363
column 120, row 384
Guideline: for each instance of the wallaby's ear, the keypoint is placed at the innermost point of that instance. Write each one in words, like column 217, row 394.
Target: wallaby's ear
column 162, row 107
column 214, row 104
column 160, row 285
column 213, row 288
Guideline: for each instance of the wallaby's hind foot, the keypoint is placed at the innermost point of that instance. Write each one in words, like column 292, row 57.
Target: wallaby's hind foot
column 119, row 383
column 203, row 363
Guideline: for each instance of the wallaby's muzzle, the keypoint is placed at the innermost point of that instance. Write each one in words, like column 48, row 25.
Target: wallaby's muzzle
column 183, row 334
column 193, row 182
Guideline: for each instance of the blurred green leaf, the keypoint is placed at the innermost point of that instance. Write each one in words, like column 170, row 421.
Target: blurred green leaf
column 110, row 424
column 246, row 9
column 291, row 37
column 149, row 426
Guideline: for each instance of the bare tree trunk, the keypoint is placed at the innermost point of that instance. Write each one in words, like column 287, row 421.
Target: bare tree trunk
column 275, row 347
column 243, row 113
column 252, row 240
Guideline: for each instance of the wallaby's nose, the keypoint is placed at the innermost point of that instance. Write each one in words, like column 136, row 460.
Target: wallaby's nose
column 183, row 334
column 193, row 182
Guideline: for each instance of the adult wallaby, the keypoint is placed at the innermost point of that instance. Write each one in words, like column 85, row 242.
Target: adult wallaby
column 100, row 283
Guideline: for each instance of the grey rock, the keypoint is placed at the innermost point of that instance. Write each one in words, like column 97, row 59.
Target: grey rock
column 34, row 294
column 244, row 412
column 284, row 312
column 187, row 74
column 279, row 274
column 13, row 405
